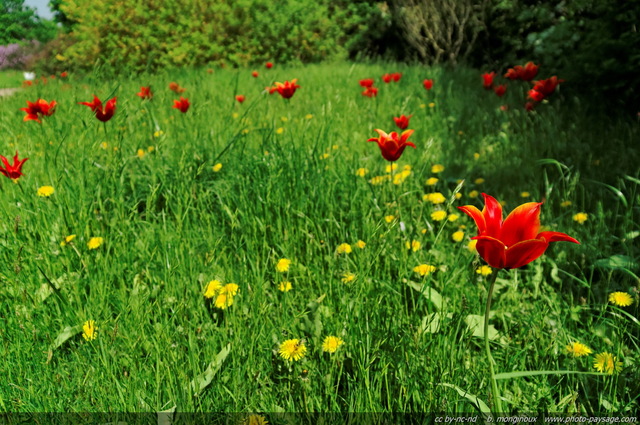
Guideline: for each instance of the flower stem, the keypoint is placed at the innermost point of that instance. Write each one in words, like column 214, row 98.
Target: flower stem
column 497, row 404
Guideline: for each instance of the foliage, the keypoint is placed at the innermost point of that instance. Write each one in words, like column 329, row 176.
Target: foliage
column 19, row 23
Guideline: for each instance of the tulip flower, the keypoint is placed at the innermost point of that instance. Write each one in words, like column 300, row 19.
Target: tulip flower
column 529, row 72
column 370, row 91
column 175, row 87
column 392, row 145
column 367, row 82
column 254, row 74
column 38, row 108
column 105, row 113
column 145, row 93
column 487, row 80
column 64, row 74
column 240, row 98
column 529, row 106
column 287, row 89
column 536, row 95
column 268, row 65
column 396, row 76
column 515, row 242
column 546, row 87
column 402, row 121
column 387, row 78
column 500, row 90
column 12, row 171
column 428, row 84
column 182, row 104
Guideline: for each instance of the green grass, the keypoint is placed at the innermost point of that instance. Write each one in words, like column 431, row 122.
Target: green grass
column 171, row 224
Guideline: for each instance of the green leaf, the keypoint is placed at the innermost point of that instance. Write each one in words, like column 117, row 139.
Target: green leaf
column 479, row 404
column 429, row 293
column 203, row 380
column 66, row 334
column 475, row 323
column 617, row 262
column 431, row 322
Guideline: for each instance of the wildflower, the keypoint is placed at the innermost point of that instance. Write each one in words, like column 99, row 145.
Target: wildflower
column 361, row 172
column 435, row 198
column 389, row 218
column 402, row 121
column 401, row 176
column 279, row 130
column 424, row 269
column 225, row 295
column 268, row 65
column 370, row 92
column 292, row 349
column 524, row 194
column 391, row 167
column 377, row 180
column 283, row 265
column 515, row 242
column 175, row 87
column 212, row 288
column 38, row 108
column 344, row 248
column 45, row 191
column 348, row 277
column 544, row 88
column 12, row 171
column 535, row 95
column 367, row 82
column 387, row 78
column 145, row 93
column 473, row 194
column 254, row 74
column 287, row 89
column 182, row 105
column 487, row 80
column 438, row 215
column 580, row 217
column 240, row 98
column 529, row 106
column 140, row 153
column 500, row 90
column 452, row 217
column 414, row 245
column 577, row 349
column 89, row 330
column 428, row 84
column 437, row 168
column 621, row 299
column 285, row 286
column 458, row 236
column 431, row 181
column 565, row 204
column 308, row 116
column 432, row 105
column 95, row 242
column 67, row 240
column 216, row 168
column 607, row 363
column 361, row 244
column 255, row 420
column 484, row 270
column 391, row 145
column 396, row 76
column 471, row 246
column 105, row 113
column 479, row 180
column 526, row 73
column 331, row 344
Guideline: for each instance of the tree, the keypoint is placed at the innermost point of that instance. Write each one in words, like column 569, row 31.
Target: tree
column 20, row 23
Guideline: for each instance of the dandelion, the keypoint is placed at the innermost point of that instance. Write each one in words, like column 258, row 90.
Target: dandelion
column 285, row 286
column 348, row 277
column 216, row 168
column 361, row 244
column 378, row 180
column 565, row 204
column 580, row 217
column 95, row 242
column 524, row 194
column 212, row 288
column 437, row 168
column 283, row 265
column 424, row 269
column 438, row 215
column 331, row 344
column 292, row 349
column 67, row 240
column 255, row 420
column 223, row 301
column 389, row 218
column 484, row 270
column 621, row 299
column 45, row 191
column 479, row 180
column 458, row 236
column 141, row 153
column 432, row 105
column 401, row 177
column 453, row 217
column 391, row 167
column 577, row 349
column 279, row 130
column 435, row 198
column 230, row 289
column 476, row 156
column 432, row 181
column 414, row 245
column 89, row 330
column 344, row 248
column 607, row 363
column 361, row 172
column 308, row 116
column 473, row 194
column 324, row 156
column 471, row 246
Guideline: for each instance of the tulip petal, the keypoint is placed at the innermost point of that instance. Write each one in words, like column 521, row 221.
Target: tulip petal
column 522, row 224
column 524, row 252
column 556, row 237
column 473, row 212
column 492, row 251
column 492, row 212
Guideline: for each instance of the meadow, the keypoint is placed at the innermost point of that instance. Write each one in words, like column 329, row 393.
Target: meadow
column 126, row 223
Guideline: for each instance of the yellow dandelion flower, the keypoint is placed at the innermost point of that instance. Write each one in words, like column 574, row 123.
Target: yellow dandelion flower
column 348, row 277
column 216, row 168
column 435, row 198
column 45, row 191
column 223, row 301
column 280, row 130
column 335, row 147
column 235, row 115
column 413, row 245
column 361, row 244
column 524, row 194
column 479, row 180
column 458, row 195
column 344, row 248
column 484, row 270
column 284, row 119
column 473, row 194
column 621, row 299
column 577, row 349
column 292, row 349
column 401, row 177
column 580, row 217
column 453, row 217
column 423, row 231
column 422, row 106
column 432, row 105
column 424, row 269
column 438, row 215
column 476, row 156
column 437, row 168
column 89, row 330
column 283, row 265
column 158, row 133
column 308, row 116
column 245, row 131
column 406, row 168
column 607, row 363
column 390, row 168
column 389, row 218
column 458, row 236
column 361, row 172
column 141, row 153
column 151, row 149
column 331, row 344
column 565, row 204
column 230, row 289
column 67, row 240
column 285, row 286
column 255, row 420
column 324, row 156
column 95, row 242
column 472, row 245
column 377, row 180
column 104, row 145
column 212, row 288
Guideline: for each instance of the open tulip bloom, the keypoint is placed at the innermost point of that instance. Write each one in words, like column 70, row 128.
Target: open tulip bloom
column 392, row 145
column 39, row 108
column 12, row 171
column 105, row 113
column 286, row 89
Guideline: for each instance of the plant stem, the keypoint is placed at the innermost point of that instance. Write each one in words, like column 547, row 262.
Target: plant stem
column 497, row 404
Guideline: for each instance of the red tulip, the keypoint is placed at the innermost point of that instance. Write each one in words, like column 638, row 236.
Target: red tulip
column 515, row 242
column 387, row 78
column 396, row 76
column 286, row 89
column 367, row 82
column 38, row 108
column 182, row 104
column 402, row 121
column 103, row 114
column 254, row 74
column 27, row 83
column 500, row 90
column 536, row 95
column 529, row 106
column 12, row 171
column 548, row 86
column 268, row 65
column 487, row 79
column 175, row 87
column 428, row 84
column 64, row 74
column 370, row 92
column 240, row 98
column 529, row 72
column 391, row 145
column 513, row 73
column 145, row 93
